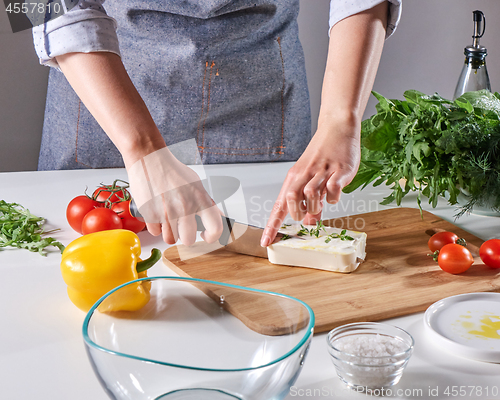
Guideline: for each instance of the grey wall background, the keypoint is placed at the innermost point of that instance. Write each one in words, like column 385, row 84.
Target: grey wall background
column 426, row 53
column 23, row 84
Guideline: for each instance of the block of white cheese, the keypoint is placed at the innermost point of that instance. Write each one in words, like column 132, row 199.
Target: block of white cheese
column 329, row 250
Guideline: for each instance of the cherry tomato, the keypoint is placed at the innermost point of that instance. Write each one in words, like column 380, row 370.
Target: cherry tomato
column 454, row 258
column 77, row 209
column 101, row 219
column 129, row 222
column 490, row 253
column 438, row 240
column 103, row 193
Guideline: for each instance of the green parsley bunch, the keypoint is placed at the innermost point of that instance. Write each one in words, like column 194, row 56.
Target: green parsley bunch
column 437, row 147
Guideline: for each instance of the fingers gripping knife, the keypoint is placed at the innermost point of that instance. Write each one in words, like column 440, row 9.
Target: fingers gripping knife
column 235, row 237
column 227, row 223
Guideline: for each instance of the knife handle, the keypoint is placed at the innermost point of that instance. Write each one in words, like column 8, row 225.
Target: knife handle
column 227, row 223
column 227, row 227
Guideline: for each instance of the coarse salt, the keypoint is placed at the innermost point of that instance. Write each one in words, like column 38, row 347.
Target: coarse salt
column 370, row 360
column 372, row 345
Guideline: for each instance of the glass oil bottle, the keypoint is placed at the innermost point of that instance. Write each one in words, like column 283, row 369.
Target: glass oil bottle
column 474, row 75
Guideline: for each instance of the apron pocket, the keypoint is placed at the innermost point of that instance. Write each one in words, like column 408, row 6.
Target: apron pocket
column 243, row 106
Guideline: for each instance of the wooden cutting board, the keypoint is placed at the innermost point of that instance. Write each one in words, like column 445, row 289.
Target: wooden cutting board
column 397, row 277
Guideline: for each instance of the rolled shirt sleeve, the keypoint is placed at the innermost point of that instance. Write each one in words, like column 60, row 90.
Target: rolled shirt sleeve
column 85, row 28
column 340, row 9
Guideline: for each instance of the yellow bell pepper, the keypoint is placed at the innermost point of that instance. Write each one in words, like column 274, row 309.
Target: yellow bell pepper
column 96, row 263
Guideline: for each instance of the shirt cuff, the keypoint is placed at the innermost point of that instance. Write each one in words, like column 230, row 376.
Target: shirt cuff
column 79, row 31
column 341, row 9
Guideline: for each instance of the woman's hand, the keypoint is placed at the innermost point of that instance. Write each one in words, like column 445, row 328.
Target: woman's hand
column 331, row 159
column 169, row 195
column 329, row 163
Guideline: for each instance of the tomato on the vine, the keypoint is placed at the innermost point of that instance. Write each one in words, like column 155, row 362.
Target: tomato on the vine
column 454, row 258
column 122, row 209
column 108, row 208
column 101, row 219
column 78, row 208
column 438, row 240
column 111, row 193
column 490, row 253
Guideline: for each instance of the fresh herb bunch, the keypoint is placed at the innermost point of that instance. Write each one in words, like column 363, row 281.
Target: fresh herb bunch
column 19, row 228
column 437, row 146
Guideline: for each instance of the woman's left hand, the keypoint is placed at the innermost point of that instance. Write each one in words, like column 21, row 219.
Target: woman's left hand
column 329, row 163
column 332, row 158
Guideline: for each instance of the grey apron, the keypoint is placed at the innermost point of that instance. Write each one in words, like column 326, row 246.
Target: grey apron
column 230, row 74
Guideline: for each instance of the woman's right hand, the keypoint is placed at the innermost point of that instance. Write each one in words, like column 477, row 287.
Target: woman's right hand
column 169, row 195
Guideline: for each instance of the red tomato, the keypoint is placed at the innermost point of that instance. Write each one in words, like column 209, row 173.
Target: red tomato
column 439, row 239
column 77, row 209
column 490, row 253
column 103, row 193
column 454, row 258
column 129, row 222
column 101, row 219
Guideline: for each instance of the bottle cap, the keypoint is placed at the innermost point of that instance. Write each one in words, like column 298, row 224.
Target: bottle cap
column 476, row 52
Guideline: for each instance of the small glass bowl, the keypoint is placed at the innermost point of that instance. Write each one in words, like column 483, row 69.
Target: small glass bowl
column 369, row 356
column 198, row 339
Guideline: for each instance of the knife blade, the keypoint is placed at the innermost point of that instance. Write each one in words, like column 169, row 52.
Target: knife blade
column 236, row 237
column 240, row 238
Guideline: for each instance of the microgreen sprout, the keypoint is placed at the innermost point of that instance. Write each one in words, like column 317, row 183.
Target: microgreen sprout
column 303, row 231
column 342, row 236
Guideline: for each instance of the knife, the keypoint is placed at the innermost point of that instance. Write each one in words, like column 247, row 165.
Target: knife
column 236, row 236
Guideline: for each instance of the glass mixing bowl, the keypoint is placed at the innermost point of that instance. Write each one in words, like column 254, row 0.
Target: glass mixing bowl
column 199, row 339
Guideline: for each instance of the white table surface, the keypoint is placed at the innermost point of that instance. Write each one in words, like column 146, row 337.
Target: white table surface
column 41, row 347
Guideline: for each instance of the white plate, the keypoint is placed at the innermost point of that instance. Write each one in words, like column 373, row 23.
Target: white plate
column 467, row 324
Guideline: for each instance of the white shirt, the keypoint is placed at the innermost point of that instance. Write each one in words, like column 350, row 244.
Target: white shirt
column 87, row 28
column 341, row 9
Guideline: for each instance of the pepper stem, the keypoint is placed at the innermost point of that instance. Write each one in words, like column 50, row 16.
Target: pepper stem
column 149, row 262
